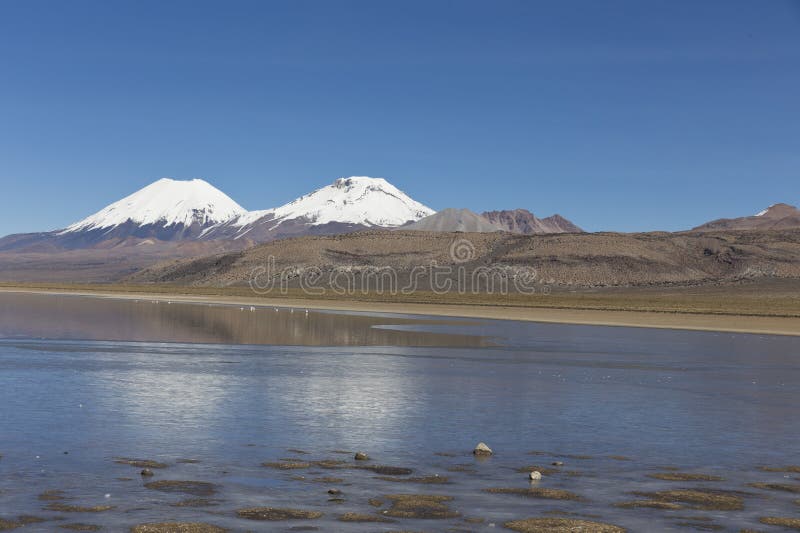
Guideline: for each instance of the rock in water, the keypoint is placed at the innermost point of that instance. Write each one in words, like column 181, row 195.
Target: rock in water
column 535, row 475
column 361, row 456
column 482, row 449
column 146, row 472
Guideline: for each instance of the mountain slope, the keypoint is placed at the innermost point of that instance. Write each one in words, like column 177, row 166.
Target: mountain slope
column 454, row 220
column 524, row 222
column 776, row 216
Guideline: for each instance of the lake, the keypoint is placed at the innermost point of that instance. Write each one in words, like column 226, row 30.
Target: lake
column 701, row 429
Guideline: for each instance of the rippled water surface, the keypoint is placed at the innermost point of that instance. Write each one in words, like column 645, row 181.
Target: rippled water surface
column 82, row 384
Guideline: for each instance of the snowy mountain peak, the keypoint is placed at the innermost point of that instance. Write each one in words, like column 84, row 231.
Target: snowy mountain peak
column 165, row 203
column 765, row 211
column 355, row 200
column 778, row 210
column 361, row 181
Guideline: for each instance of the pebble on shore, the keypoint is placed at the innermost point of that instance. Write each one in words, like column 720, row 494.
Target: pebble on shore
column 482, row 449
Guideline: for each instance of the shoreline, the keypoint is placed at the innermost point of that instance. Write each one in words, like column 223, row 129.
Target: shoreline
column 759, row 325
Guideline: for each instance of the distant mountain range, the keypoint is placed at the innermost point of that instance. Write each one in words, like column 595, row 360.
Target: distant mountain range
column 170, row 210
column 189, row 231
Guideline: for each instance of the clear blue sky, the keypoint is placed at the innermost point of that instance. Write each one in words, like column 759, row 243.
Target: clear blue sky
column 621, row 115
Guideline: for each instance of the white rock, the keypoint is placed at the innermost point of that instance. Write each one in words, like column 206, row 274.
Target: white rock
column 482, row 449
column 535, row 475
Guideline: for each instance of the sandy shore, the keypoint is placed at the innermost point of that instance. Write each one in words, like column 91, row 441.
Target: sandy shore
column 663, row 320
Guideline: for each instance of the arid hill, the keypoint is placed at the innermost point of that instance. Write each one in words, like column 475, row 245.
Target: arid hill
column 451, row 219
column 557, row 261
column 777, row 216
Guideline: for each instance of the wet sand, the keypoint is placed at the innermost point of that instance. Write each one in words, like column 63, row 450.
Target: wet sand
column 743, row 323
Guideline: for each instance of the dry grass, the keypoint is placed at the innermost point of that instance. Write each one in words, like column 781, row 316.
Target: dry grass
column 782, row 487
column 287, row 465
column 699, row 499
column 358, row 517
column 386, row 470
column 65, row 508
column 790, row 468
column 538, row 492
column 681, row 476
column 789, row 523
column 52, row 495
column 649, row 504
column 7, row 525
column 140, row 463
column 420, row 506
column 177, row 527
column 276, row 514
column 195, row 488
column 427, row 480
column 560, row 525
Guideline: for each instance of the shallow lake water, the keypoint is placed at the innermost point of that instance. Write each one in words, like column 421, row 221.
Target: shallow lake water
column 213, row 392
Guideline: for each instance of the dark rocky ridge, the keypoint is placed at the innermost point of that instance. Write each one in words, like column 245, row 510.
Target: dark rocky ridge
column 525, row 222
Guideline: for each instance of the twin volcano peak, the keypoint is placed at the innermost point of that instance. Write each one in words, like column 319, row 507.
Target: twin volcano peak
column 170, row 209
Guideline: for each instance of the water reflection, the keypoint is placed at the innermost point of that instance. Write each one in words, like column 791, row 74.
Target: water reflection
column 721, row 403
column 87, row 318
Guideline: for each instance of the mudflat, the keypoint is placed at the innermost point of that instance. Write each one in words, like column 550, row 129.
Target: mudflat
column 762, row 308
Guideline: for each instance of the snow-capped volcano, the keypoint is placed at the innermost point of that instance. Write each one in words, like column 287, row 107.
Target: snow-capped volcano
column 356, row 200
column 348, row 204
column 165, row 203
column 194, row 210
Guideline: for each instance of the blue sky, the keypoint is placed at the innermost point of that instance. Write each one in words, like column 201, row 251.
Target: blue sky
column 620, row 115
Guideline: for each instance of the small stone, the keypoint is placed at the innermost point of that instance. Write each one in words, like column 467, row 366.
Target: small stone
column 557, row 463
column 361, row 456
column 146, row 472
column 482, row 449
column 334, row 491
column 535, row 475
